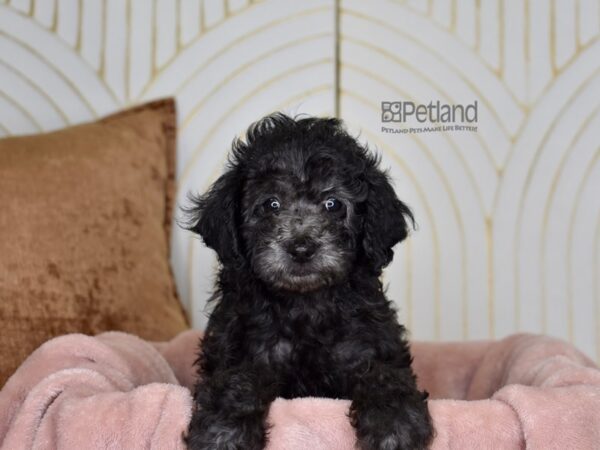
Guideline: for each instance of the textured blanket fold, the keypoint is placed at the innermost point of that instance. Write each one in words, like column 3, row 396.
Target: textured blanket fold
column 115, row 391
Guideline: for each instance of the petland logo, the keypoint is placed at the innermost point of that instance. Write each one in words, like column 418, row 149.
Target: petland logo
column 438, row 117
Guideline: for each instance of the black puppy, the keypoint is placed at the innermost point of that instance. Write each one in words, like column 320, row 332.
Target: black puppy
column 303, row 222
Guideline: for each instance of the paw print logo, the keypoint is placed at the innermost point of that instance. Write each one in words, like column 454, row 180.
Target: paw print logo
column 390, row 111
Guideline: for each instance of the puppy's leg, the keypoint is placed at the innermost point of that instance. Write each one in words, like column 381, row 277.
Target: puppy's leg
column 388, row 411
column 230, row 410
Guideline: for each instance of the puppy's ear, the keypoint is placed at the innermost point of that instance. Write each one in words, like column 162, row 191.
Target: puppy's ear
column 214, row 217
column 385, row 221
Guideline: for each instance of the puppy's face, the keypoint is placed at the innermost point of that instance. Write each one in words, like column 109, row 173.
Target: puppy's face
column 300, row 206
column 298, row 218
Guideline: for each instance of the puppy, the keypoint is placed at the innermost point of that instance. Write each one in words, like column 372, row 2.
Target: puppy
column 303, row 222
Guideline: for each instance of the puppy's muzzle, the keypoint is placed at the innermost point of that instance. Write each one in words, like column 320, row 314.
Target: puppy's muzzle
column 302, row 249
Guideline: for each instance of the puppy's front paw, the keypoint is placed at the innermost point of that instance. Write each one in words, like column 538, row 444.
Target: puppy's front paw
column 394, row 428
column 216, row 433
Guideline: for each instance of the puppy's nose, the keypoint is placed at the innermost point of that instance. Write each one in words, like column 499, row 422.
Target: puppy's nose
column 302, row 249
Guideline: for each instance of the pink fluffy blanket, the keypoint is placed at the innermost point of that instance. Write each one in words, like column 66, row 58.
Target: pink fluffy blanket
column 117, row 391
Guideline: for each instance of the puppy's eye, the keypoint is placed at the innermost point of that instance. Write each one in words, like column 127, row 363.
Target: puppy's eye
column 332, row 204
column 272, row 204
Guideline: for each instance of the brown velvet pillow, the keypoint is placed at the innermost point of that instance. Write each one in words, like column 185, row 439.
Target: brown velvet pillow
column 84, row 232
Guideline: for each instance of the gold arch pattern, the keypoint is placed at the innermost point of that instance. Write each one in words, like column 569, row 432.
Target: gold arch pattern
column 511, row 185
column 473, row 193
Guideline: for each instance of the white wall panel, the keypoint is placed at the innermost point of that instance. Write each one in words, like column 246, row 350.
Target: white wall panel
column 501, row 242
column 508, row 234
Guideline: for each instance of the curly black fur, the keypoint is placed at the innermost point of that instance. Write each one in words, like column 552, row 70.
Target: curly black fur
column 303, row 222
